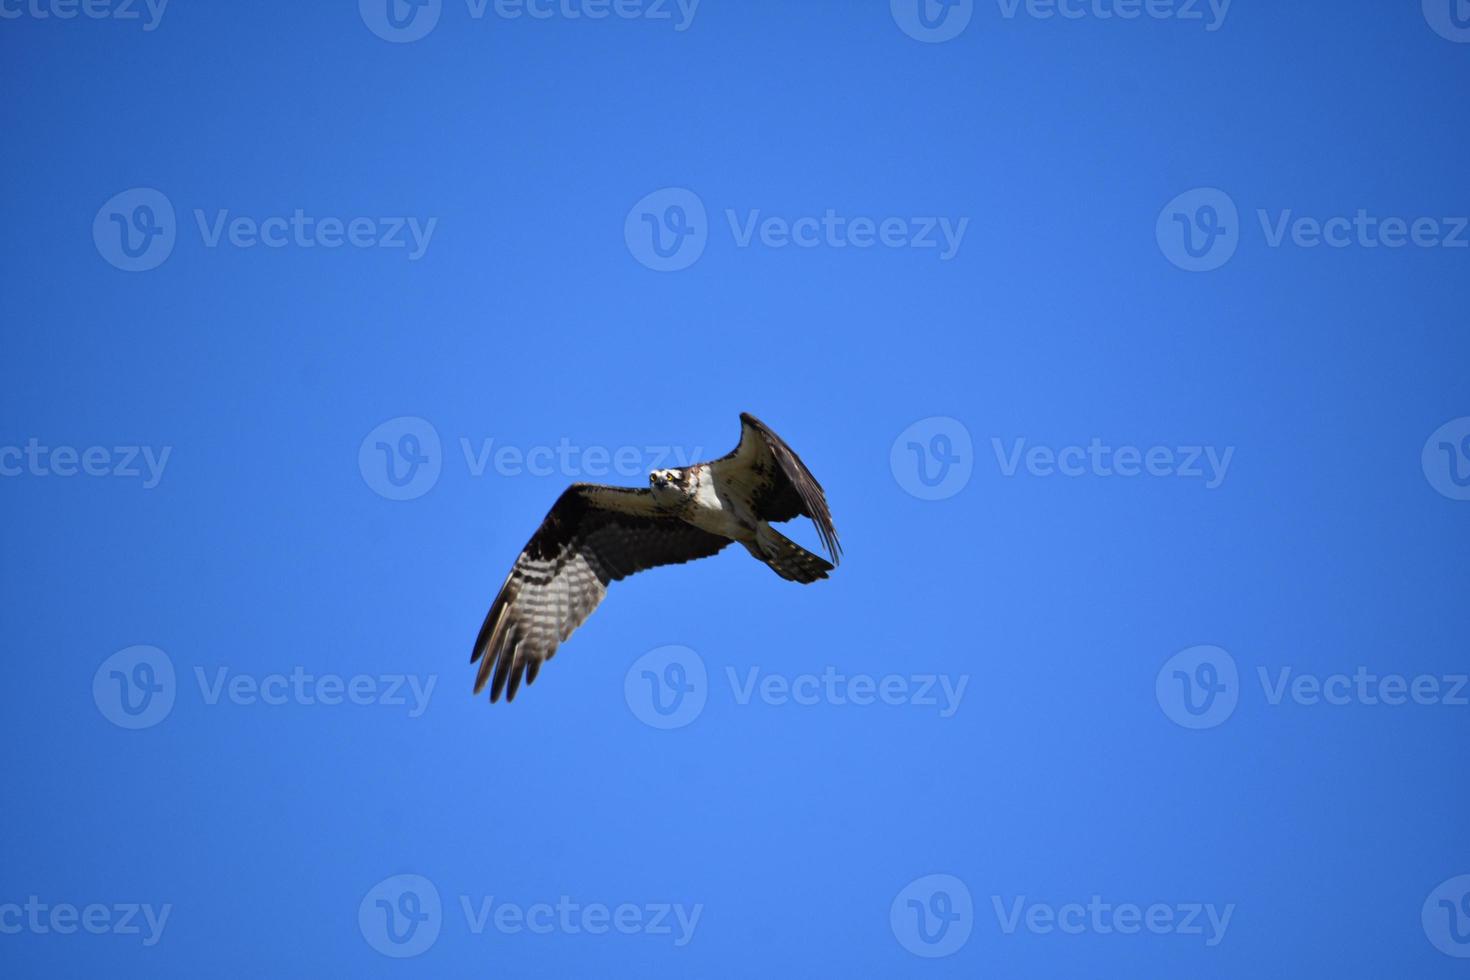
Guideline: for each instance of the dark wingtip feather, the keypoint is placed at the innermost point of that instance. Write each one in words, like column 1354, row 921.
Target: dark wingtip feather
column 487, row 628
column 813, row 497
column 516, row 672
column 504, row 662
column 487, row 661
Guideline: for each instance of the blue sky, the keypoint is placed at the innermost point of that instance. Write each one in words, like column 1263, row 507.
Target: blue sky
column 1128, row 341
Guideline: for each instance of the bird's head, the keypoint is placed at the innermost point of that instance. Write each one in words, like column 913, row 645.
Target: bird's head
column 670, row 486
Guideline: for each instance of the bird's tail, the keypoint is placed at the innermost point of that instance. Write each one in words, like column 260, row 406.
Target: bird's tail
column 787, row 558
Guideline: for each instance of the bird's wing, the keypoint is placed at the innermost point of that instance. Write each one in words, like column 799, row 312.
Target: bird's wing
column 593, row 535
column 776, row 481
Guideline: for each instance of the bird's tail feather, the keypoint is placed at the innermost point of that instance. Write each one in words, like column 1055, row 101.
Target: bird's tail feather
column 787, row 558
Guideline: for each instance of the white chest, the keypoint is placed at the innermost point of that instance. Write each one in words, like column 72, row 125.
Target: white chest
column 718, row 513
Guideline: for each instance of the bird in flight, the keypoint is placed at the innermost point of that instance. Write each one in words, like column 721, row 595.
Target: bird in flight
column 597, row 534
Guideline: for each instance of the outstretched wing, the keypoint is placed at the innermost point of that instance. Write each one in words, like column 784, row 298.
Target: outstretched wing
column 776, row 481
column 593, row 535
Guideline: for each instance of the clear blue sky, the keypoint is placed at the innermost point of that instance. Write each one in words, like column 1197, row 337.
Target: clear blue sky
column 1120, row 279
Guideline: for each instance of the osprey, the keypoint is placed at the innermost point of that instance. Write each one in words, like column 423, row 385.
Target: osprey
column 598, row 534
